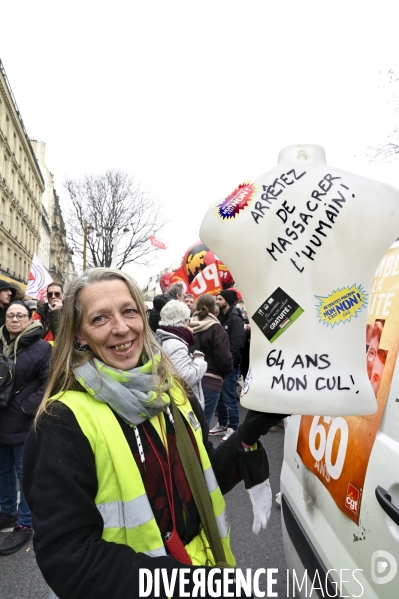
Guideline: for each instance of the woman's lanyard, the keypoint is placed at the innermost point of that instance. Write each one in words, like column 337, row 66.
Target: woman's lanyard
column 165, row 468
column 172, row 541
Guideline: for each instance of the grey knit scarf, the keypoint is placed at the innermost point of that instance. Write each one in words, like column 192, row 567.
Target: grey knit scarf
column 129, row 392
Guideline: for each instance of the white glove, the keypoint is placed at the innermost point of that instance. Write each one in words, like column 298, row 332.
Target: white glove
column 261, row 499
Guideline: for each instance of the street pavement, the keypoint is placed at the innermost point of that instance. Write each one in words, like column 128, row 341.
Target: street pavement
column 20, row 577
column 266, row 549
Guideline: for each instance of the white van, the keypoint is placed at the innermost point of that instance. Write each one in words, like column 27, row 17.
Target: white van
column 340, row 475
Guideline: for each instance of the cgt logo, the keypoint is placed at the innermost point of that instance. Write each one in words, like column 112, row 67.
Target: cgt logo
column 352, row 498
column 383, row 567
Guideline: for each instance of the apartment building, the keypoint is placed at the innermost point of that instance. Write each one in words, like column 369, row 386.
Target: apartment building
column 54, row 251
column 31, row 220
column 21, row 189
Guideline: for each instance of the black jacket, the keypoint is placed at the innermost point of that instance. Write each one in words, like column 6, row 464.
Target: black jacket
column 50, row 320
column 213, row 341
column 233, row 323
column 32, row 360
column 60, row 485
column 155, row 313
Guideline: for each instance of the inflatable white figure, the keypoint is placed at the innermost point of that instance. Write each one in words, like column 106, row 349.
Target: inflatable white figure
column 303, row 243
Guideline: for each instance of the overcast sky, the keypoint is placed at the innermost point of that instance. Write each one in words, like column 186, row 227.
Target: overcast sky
column 195, row 98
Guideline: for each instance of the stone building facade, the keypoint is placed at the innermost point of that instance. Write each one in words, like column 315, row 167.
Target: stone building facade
column 62, row 267
column 54, row 251
column 30, row 215
column 21, row 189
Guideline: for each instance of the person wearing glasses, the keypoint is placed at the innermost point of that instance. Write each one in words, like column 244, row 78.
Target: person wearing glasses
column 49, row 314
column 20, row 341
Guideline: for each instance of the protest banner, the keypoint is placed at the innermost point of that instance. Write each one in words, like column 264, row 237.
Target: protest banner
column 39, row 279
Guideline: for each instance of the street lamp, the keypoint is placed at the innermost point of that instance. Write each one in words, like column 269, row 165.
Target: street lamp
column 115, row 247
column 86, row 230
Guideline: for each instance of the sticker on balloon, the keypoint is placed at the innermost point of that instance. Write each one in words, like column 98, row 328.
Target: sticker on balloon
column 276, row 314
column 236, row 201
column 341, row 305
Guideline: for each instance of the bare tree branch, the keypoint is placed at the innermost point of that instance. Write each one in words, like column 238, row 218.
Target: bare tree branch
column 388, row 149
column 110, row 203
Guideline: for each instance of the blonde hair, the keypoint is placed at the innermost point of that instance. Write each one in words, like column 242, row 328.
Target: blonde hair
column 67, row 354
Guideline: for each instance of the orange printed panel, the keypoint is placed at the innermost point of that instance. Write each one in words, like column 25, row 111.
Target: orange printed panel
column 337, row 449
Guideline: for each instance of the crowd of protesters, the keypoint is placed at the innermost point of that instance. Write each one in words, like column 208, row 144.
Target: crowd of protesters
column 27, row 331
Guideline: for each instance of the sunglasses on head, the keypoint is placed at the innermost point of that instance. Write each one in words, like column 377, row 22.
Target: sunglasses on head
column 50, row 294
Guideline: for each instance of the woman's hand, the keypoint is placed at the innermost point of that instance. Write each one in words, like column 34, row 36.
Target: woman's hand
column 198, row 354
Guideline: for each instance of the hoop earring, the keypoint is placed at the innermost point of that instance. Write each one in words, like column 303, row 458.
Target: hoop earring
column 80, row 346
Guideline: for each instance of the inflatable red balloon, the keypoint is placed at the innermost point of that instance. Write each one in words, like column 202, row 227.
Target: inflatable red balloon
column 164, row 281
column 202, row 272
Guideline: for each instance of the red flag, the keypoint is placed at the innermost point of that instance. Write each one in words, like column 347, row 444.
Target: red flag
column 38, row 280
column 157, row 243
column 164, row 281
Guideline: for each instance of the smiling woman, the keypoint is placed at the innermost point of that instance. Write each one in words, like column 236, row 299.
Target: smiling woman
column 111, row 325
column 119, row 440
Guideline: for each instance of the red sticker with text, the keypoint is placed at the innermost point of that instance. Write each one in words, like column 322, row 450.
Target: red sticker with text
column 236, row 201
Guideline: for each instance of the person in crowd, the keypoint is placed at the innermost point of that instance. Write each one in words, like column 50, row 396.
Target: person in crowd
column 244, row 367
column 175, row 291
column 231, row 321
column 31, row 302
column 190, row 302
column 176, row 338
column 20, row 341
column 49, row 314
column 212, row 339
column 110, row 468
column 158, row 303
column 19, row 294
column 7, row 294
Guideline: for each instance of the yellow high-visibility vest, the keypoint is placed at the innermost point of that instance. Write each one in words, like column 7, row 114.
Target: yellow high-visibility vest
column 121, row 497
